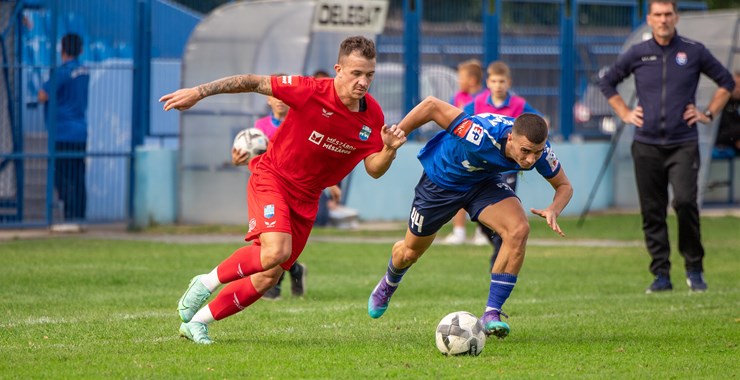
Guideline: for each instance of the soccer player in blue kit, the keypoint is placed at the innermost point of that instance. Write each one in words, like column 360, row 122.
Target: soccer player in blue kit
column 462, row 169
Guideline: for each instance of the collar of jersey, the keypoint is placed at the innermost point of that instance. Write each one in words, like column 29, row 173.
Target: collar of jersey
column 505, row 104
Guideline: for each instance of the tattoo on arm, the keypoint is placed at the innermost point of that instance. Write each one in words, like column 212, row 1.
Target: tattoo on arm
column 237, row 83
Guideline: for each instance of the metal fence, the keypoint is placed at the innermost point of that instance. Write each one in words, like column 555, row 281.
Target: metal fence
column 56, row 167
column 555, row 49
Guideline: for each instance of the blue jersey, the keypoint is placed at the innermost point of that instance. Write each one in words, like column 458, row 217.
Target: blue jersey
column 471, row 150
column 71, row 92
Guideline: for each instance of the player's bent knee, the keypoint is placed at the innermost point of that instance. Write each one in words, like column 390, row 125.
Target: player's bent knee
column 274, row 256
column 410, row 256
column 518, row 234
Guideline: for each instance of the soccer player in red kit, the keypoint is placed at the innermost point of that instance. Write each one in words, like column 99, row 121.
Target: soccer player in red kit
column 332, row 125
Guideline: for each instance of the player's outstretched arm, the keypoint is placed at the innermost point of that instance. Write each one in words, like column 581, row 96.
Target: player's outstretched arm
column 430, row 109
column 185, row 98
column 563, row 193
column 378, row 163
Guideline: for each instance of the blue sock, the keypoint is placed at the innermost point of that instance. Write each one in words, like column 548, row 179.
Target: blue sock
column 501, row 286
column 394, row 275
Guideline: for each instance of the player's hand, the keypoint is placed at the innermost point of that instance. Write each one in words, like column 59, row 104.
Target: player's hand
column 393, row 137
column 692, row 115
column 239, row 158
column 551, row 218
column 335, row 193
column 634, row 117
column 181, row 99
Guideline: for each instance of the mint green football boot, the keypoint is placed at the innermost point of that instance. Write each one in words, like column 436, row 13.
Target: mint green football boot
column 196, row 331
column 493, row 325
column 193, row 299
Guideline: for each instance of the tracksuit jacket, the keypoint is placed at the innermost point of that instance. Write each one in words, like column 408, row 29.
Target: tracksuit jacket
column 666, row 78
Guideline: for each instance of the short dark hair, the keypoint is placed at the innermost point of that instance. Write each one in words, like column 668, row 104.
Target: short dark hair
column 672, row 2
column 531, row 126
column 359, row 44
column 72, row 44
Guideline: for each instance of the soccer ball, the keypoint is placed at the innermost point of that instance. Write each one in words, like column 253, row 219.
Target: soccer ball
column 252, row 141
column 460, row 333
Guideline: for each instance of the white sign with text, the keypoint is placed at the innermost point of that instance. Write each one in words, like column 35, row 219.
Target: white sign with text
column 360, row 16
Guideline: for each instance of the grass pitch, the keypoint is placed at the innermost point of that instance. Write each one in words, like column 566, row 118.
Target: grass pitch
column 80, row 308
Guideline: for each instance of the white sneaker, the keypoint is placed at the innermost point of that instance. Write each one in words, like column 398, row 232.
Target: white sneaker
column 480, row 238
column 453, row 239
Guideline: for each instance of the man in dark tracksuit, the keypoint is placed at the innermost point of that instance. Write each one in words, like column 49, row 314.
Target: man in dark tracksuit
column 665, row 147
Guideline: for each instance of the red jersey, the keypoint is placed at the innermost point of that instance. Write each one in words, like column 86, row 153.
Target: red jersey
column 321, row 140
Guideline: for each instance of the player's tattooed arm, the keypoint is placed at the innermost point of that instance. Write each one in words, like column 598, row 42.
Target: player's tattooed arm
column 235, row 84
column 185, row 98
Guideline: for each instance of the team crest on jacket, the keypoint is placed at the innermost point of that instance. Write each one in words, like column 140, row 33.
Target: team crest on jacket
column 365, row 133
column 681, row 58
column 551, row 158
column 269, row 211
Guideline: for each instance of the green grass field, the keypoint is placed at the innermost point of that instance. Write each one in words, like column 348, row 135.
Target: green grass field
column 81, row 308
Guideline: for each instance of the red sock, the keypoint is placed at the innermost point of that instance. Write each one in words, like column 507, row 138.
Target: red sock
column 243, row 262
column 234, row 298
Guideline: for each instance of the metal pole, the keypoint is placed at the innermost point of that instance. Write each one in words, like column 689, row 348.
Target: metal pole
column 567, row 66
column 142, row 90
column 491, row 30
column 52, row 110
column 412, row 11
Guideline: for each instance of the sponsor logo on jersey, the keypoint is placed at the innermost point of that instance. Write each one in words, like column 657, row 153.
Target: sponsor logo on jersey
column 270, row 224
column 496, row 118
column 416, row 220
column 552, row 159
column 252, row 224
column 287, row 79
column 316, row 137
column 475, row 134
column 335, row 145
column 326, row 113
column 462, row 129
column 269, row 211
column 681, row 58
column 365, row 133
column 649, row 58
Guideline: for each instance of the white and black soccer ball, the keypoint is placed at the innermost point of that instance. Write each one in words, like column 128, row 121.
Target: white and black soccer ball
column 252, row 141
column 460, row 333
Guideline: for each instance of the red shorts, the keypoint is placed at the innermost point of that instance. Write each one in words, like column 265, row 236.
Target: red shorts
column 272, row 209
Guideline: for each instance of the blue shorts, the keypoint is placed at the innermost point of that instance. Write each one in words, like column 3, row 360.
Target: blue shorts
column 434, row 206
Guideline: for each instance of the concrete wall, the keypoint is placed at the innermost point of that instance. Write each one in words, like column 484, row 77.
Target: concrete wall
column 222, row 198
